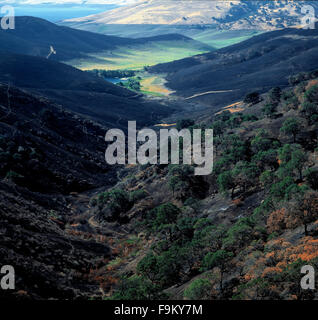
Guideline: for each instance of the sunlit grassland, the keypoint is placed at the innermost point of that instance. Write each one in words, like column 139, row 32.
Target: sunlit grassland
column 149, row 54
column 138, row 57
column 150, row 84
column 154, row 85
column 223, row 38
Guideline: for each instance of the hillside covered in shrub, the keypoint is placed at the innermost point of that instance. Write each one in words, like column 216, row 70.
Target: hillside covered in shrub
column 242, row 232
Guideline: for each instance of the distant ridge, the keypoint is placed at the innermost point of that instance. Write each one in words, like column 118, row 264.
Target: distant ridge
column 257, row 64
column 35, row 36
column 257, row 15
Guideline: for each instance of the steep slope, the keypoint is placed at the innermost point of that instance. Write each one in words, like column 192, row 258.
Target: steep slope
column 256, row 64
column 79, row 91
column 261, row 15
column 35, row 72
column 46, row 154
column 55, row 142
column 241, row 233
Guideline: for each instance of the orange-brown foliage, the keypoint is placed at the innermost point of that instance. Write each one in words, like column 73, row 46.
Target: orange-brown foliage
column 237, row 202
column 281, row 254
column 311, row 83
column 276, row 220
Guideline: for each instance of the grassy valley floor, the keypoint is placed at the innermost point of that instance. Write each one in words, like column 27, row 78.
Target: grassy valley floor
column 139, row 57
column 154, row 85
column 136, row 58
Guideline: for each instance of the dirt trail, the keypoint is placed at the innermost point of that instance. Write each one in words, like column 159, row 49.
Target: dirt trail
column 206, row 93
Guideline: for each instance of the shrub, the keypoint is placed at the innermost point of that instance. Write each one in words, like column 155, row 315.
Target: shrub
column 298, row 78
column 163, row 269
column 112, row 203
column 199, row 289
column 312, row 178
column 275, row 95
column 164, row 214
column 291, row 102
column 192, row 203
column 137, row 195
column 309, row 110
column 137, row 288
column 261, row 142
column 266, row 178
column 252, row 98
column 218, row 259
column 225, row 182
column 266, row 159
column 311, row 95
column 184, row 123
column 239, row 233
column 218, row 128
column 292, row 127
column 223, row 116
column 278, row 190
column 269, row 109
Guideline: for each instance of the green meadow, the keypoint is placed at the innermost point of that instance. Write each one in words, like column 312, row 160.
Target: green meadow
column 223, row 38
column 154, row 52
column 136, row 58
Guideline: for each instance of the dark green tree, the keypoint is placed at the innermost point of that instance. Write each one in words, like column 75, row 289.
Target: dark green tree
column 164, row 214
column 261, row 142
column 311, row 95
column 137, row 288
column 184, row 123
column 310, row 111
column 198, row 289
column 218, row 259
column 275, row 95
column 292, row 127
column 297, row 162
column 226, row 182
column 245, row 174
column 269, row 109
column 252, row 98
column 218, row 128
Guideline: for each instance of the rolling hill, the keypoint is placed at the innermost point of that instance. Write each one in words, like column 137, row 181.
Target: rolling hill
column 206, row 34
column 35, row 72
column 35, row 36
column 78, row 91
column 256, row 64
column 261, row 15
column 144, row 52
